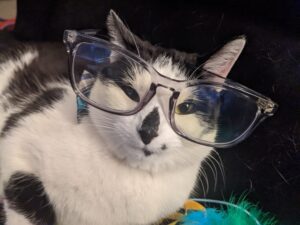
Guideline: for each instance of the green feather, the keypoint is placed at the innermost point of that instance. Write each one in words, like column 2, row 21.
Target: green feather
column 236, row 217
column 235, row 212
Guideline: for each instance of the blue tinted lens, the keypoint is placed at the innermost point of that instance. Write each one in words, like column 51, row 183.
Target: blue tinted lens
column 237, row 112
column 214, row 114
column 107, row 78
column 93, row 52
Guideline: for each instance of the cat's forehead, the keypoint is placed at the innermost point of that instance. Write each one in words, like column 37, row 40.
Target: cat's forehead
column 167, row 67
column 163, row 65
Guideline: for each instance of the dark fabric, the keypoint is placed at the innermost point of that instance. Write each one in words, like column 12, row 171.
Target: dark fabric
column 33, row 18
column 267, row 164
column 45, row 20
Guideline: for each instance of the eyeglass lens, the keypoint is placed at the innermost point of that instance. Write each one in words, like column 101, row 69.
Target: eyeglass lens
column 213, row 113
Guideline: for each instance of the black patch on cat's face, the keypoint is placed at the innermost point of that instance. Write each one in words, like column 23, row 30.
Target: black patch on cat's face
column 45, row 100
column 150, row 126
column 25, row 194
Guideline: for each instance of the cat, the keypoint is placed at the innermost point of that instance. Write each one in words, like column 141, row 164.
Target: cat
column 56, row 170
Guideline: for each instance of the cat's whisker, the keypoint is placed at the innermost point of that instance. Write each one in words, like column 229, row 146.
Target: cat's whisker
column 105, row 129
column 201, row 182
column 97, row 122
column 131, row 63
column 104, row 119
column 136, row 46
column 214, row 171
column 100, row 126
column 220, row 165
column 206, row 180
column 194, row 71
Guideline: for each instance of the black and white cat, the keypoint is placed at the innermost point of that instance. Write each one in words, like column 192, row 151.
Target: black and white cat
column 56, row 171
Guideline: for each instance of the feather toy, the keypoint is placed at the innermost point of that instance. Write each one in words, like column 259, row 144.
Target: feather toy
column 235, row 212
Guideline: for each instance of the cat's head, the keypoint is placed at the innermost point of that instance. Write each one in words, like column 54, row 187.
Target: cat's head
column 146, row 140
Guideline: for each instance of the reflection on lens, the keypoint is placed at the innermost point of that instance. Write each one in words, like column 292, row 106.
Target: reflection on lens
column 108, row 78
column 213, row 114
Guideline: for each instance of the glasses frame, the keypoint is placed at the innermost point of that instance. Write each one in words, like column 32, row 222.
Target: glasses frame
column 265, row 106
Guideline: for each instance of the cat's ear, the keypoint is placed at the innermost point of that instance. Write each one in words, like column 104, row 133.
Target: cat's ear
column 222, row 61
column 120, row 34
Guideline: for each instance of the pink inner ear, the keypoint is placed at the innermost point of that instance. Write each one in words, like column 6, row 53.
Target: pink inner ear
column 222, row 62
column 224, row 71
column 220, row 68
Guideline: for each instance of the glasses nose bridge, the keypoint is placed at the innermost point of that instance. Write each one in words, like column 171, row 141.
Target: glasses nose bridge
column 169, row 88
column 168, row 83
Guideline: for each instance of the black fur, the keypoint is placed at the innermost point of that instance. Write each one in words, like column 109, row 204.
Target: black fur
column 45, row 100
column 150, row 126
column 2, row 214
column 25, row 194
column 49, row 66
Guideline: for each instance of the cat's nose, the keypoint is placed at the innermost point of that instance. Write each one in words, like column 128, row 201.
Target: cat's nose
column 150, row 126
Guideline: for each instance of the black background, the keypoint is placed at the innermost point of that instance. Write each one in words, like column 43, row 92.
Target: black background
column 267, row 164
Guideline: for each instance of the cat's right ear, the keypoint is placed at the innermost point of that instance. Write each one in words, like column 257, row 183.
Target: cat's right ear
column 121, row 35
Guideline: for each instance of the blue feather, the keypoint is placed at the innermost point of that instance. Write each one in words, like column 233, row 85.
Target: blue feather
column 208, row 217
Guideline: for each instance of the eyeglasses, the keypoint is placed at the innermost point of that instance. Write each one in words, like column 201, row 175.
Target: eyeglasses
column 209, row 110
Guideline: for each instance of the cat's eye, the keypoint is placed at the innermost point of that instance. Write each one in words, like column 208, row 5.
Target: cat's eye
column 130, row 92
column 211, row 111
column 185, row 108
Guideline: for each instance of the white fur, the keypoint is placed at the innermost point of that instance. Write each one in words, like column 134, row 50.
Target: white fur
column 8, row 68
column 95, row 172
column 165, row 65
column 15, row 218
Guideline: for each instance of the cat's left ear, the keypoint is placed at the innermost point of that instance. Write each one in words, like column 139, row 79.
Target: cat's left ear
column 222, row 62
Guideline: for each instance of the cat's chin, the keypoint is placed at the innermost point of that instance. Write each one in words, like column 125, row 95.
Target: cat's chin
column 151, row 161
column 140, row 158
column 154, row 159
